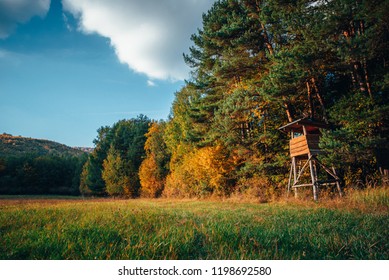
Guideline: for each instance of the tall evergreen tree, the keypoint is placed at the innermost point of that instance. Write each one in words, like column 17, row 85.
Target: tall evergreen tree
column 91, row 182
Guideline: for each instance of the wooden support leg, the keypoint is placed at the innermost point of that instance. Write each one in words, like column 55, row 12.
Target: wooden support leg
column 294, row 176
column 337, row 182
column 314, row 178
column 290, row 179
column 317, row 184
column 326, row 169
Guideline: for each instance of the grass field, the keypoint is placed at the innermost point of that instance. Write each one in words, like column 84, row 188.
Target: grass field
column 52, row 228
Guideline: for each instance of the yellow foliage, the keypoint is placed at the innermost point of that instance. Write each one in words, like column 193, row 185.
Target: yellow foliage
column 154, row 129
column 154, row 168
column 118, row 182
column 201, row 172
column 150, row 178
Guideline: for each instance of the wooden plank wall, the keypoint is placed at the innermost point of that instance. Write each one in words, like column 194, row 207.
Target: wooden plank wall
column 303, row 145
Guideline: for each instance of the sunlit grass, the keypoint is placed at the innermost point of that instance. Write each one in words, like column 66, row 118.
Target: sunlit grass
column 371, row 198
column 188, row 229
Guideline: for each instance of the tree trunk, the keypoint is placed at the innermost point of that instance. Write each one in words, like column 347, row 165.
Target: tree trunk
column 360, row 75
column 267, row 41
column 367, row 80
column 321, row 101
column 310, row 101
column 359, row 78
column 288, row 112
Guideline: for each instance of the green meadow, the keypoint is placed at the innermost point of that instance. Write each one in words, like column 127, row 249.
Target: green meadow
column 73, row 228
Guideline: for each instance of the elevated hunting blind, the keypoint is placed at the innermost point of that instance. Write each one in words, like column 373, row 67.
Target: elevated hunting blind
column 304, row 148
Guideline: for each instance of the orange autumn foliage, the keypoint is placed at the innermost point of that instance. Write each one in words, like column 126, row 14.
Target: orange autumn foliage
column 202, row 172
column 154, row 168
column 150, row 178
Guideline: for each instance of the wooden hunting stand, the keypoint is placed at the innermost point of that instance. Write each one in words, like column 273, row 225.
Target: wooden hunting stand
column 304, row 148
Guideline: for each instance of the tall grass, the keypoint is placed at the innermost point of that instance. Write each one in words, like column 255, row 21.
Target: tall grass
column 374, row 199
column 189, row 229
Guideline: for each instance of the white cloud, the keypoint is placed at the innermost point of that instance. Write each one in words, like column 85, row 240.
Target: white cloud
column 149, row 36
column 150, row 83
column 13, row 12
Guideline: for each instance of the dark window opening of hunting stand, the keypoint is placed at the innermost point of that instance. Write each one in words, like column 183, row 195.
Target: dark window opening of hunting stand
column 304, row 148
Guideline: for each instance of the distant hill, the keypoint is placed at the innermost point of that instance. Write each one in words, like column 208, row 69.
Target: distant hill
column 18, row 145
column 85, row 149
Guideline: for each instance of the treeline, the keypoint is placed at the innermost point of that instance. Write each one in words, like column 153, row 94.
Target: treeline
column 36, row 166
column 257, row 65
column 41, row 174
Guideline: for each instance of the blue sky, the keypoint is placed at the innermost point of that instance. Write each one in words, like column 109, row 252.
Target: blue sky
column 69, row 67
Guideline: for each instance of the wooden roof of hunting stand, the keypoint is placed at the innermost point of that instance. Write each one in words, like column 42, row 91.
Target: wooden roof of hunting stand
column 304, row 145
column 309, row 124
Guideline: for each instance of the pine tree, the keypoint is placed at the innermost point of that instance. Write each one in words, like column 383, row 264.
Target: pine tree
column 91, row 182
